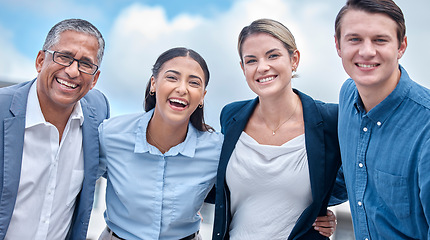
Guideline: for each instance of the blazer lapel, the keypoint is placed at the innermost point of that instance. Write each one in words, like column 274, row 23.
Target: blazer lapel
column 90, row 142
column 14, row 128
column 234, row 130
column 315, row 149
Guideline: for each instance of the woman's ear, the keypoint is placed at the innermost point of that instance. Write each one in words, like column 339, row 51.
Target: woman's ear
column 152, row 89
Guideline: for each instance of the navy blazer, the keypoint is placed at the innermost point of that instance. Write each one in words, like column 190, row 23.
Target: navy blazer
column 13, row 99
column 323, row 153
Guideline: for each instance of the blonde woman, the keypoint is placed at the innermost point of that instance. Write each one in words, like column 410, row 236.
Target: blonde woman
column 280, row 154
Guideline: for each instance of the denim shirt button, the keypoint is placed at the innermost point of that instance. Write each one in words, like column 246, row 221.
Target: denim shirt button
column 365, row 129
column 360, row 203
column 360, row 165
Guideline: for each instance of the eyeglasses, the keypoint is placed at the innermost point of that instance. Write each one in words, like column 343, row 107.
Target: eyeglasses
column 66, row 60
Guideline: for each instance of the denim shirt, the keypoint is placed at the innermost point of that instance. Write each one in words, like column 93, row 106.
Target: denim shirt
column 386, row 161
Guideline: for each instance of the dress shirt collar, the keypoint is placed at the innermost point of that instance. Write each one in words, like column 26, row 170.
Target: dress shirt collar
column 385, row 109
column 34, row 115
column 186, row 148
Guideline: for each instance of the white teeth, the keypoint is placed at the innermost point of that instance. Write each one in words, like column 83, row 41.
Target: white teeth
column 366, row 65
column 266, row 79
column 71, row 85
column 178, row 101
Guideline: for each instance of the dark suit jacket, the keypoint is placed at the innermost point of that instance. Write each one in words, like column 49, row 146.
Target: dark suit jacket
column 13, row 105
column 323, row 153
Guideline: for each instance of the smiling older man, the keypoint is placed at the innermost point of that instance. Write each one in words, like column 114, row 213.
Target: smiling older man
column 49, row 139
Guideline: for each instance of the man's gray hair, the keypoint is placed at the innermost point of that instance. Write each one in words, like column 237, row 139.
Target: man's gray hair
column 77, row 25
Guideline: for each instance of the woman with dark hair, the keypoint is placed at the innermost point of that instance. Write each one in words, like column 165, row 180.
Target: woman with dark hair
column 161, row 164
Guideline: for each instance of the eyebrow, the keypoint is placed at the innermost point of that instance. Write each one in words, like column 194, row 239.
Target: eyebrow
column 85, row 59
column 358, row 35
column 178, row 73
column 267, row 53
column 271, row 51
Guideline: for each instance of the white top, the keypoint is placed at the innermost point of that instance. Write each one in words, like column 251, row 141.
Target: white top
column 269, row 188
column 51, row 175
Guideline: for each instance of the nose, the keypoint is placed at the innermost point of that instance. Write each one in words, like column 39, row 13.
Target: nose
column 367, row 49
column 73, row 70
column 181, row 88
column 262, row 66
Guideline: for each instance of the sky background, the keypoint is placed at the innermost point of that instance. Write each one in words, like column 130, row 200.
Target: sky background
column 137, row 32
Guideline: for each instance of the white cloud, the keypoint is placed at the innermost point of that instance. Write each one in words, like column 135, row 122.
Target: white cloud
column 14, row 66
column 141, row 33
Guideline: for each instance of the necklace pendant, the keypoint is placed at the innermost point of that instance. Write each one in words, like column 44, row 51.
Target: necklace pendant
column 273, row 133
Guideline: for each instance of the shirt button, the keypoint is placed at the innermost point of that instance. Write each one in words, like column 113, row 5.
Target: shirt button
column 379, row 123
column 365, row 129
column 366, row 239
column 360, row 203
column 360, row 165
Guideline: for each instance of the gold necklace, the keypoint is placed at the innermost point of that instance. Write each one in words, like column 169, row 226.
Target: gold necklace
column 276, row 129
column 157, row 145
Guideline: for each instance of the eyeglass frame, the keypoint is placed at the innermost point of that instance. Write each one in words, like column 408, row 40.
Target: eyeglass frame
column 71, row 62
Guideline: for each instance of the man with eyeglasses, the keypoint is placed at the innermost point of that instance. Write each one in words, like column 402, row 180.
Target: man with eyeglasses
column 49, row 149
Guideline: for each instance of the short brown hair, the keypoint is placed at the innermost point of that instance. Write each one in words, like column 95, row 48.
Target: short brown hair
column 387, row 7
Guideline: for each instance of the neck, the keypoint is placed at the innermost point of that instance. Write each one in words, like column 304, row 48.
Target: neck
column 277, row 109
column 276, row 113
column 373, row 95
column 165, row 136
column 54, row 113
column 57, row 118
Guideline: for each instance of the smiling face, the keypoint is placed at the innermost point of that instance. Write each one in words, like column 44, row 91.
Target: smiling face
column 179, row 88
column 61, row 87
column 267, row 64
column 370, row 50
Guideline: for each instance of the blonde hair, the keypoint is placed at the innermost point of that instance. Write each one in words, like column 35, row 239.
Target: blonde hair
column 271, row 27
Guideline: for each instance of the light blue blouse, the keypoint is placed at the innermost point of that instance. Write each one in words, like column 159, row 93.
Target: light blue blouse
column 151, row 195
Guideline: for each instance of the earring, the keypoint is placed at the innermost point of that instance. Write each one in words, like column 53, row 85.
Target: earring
column 151, row 93
column 200, row 105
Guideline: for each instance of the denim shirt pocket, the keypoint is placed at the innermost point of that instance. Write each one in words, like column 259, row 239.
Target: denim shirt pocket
column 393, row 191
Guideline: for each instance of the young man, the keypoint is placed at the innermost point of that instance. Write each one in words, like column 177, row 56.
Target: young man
column 384, row 127
column 49, row 150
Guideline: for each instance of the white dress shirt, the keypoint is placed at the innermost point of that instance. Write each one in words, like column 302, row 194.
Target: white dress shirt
column 52, row 173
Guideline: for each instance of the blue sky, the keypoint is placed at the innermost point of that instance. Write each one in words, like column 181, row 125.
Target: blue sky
column 29, row 19
column 136, row 32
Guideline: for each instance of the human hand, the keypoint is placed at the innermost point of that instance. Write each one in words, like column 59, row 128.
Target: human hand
column 326, row 225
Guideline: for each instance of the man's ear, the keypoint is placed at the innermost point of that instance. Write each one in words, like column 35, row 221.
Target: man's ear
column 402, row 48
column 337, row 45
column 96, row 77
column 40, row 59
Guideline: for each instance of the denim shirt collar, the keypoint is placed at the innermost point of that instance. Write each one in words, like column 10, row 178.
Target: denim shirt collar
column 381, row 112
column 185, row 148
